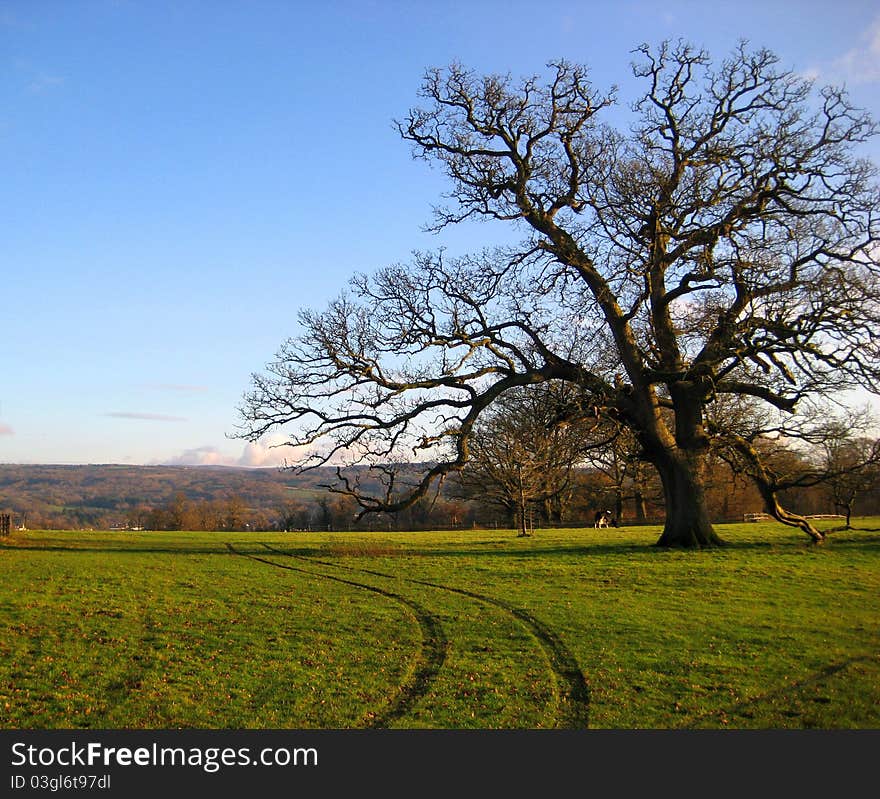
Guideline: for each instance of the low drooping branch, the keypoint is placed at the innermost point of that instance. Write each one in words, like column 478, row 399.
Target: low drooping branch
column 743, row 457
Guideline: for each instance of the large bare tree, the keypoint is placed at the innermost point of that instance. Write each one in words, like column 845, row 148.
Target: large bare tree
column 724, row 244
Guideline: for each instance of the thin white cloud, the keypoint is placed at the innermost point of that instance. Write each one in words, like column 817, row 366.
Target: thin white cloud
column 34, row 77
column 149, row 417
column 6, row 430
column 861, row 64
column 44, row 83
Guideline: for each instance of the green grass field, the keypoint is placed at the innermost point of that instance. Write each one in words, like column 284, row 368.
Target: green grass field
column 472, row 629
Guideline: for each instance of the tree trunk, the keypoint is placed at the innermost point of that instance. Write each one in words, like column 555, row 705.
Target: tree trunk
column 687, row 517
column 523, row 523
column 639, row 501
column 523, row 529
column 618, row 506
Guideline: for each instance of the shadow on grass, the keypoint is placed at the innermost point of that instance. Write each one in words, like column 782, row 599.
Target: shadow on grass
column 344, row 552
column 165, row 550
column 630, row 549
column 854, row 538
column 786, row 692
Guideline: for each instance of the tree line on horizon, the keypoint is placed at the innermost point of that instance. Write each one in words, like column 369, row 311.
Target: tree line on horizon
column 176, row 498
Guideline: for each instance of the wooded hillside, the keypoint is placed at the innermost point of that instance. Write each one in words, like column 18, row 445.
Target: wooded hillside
column 225, row 498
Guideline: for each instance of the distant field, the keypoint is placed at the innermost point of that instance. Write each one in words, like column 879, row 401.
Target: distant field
column 475, row 629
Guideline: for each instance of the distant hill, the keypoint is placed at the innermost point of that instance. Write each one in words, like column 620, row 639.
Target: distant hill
column 177, row 497
column 110, row 495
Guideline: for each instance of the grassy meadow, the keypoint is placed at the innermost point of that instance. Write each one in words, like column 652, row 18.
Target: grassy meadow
column 468, row 629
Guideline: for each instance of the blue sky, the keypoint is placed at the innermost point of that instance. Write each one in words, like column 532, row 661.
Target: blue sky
column 179, row 178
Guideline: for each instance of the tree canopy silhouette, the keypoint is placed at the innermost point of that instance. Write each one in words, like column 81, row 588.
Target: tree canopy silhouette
column 724, row 245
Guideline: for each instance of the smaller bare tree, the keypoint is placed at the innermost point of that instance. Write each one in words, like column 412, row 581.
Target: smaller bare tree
column 524, row 451
column 853, row 467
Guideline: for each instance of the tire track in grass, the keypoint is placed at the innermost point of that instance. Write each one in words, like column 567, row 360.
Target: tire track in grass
column 573, row 691
column 431, row 657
